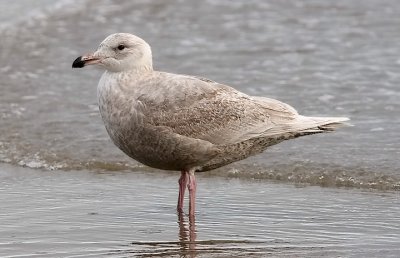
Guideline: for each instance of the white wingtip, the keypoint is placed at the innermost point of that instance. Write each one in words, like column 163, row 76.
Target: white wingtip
column 329, row 123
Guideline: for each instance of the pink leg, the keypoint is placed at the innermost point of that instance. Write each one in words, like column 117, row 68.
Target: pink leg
column 192, row 193
column 183, row 180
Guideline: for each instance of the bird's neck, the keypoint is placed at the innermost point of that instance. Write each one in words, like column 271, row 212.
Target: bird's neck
column 145, row 67
column 143, row 64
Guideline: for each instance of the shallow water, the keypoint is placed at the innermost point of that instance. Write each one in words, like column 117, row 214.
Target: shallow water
column 325, row 58
column 125, row 214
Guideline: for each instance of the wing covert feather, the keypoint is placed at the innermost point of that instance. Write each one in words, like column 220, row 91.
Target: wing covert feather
column 203, row 109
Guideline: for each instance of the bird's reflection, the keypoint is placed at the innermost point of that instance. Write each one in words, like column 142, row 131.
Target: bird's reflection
column 187, row 235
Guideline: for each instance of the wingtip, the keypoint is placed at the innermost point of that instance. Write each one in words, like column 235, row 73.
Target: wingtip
column 345, row 122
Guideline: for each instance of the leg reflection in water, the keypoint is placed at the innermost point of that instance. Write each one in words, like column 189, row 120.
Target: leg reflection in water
column 187, row 235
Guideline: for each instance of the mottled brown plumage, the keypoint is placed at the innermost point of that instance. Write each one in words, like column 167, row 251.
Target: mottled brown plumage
column 186, row 123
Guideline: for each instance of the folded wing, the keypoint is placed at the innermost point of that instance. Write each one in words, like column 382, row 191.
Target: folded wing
column 203, row 109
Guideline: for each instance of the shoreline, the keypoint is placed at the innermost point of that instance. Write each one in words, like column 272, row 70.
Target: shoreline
column 299, row 173
column 63, row 213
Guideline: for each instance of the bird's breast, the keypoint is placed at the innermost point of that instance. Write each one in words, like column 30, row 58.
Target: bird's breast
column 121, row 112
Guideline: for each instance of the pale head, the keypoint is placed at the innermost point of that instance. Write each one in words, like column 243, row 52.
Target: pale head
column 119, row 52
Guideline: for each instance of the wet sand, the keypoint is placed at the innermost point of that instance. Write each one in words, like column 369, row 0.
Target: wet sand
column 132, row 214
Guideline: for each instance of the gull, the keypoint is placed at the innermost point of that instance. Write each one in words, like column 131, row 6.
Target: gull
column 186, row 123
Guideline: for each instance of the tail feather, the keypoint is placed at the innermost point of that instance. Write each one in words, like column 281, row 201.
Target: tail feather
column 320, row 124
column 298, row 127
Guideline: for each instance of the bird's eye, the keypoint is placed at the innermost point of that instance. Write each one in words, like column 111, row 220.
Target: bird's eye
column 121, row 47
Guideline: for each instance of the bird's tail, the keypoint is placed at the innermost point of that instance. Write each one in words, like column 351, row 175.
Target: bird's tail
column 301, row 126
column 321, row 124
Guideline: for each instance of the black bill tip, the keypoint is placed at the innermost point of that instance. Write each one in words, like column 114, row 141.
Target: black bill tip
column 78, row 63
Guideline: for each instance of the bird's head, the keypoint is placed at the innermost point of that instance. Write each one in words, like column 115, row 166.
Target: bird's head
column 119, row 52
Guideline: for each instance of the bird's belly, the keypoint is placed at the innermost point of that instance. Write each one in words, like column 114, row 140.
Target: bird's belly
column 149, row 146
